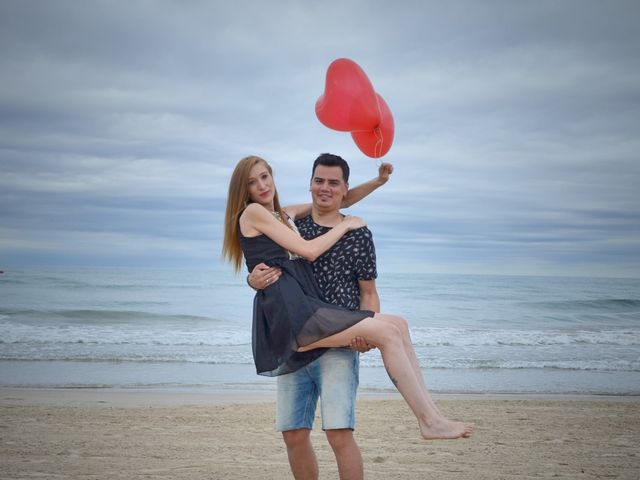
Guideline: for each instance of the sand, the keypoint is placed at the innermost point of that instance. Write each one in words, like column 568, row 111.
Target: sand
column 143, row 435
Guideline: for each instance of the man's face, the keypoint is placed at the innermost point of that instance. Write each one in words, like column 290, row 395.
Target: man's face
column 328, row 188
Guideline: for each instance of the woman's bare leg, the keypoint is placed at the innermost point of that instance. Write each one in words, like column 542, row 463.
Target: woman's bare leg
column 402, row 325
column 388, row 338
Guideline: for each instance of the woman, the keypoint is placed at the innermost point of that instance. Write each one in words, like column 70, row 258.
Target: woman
column 292, row 325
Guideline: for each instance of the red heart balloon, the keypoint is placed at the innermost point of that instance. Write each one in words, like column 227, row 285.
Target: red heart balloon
column 376, row 143
column 349, row 101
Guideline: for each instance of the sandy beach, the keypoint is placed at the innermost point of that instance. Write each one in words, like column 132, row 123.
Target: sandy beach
column 82, row 434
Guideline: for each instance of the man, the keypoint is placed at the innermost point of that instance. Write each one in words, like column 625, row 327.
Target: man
column 346, row 276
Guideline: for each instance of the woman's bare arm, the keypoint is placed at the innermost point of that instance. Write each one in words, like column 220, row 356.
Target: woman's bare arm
column 256, row 220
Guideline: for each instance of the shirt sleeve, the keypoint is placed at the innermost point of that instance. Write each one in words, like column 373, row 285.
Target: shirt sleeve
column 365, row 265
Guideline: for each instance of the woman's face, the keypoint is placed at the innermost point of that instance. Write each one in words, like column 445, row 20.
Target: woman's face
column 260, row 185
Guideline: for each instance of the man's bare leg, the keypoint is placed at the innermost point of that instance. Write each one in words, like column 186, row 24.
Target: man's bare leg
column 302, row 458
column 347, row 454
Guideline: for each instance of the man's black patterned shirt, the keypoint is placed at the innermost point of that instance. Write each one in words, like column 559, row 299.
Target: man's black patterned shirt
column 339, row 269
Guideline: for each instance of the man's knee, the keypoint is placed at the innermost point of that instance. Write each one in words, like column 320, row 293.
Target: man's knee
column 296, row 438
column 340, row 438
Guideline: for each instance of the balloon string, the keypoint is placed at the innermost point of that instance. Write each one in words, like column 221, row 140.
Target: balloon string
column 378, row 148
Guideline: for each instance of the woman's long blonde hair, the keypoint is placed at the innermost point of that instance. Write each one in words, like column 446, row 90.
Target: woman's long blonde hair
column 237, row 201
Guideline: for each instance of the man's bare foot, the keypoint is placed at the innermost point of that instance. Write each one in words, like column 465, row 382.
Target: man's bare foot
column 444, row 429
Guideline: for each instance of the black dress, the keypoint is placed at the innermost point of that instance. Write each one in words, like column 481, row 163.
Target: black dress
column 290, row 313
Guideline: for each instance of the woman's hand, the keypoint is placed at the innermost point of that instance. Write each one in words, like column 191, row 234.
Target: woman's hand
column 353, row 223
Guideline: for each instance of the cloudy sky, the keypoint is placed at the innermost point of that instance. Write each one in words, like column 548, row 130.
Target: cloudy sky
column 517, row 128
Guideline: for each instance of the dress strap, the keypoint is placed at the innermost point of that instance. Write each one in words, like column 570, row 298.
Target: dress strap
column 292, row 256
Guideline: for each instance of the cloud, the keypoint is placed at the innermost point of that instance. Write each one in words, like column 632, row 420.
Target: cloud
column 516, row 127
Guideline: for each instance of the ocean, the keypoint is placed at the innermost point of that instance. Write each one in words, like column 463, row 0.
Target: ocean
column 146, row 328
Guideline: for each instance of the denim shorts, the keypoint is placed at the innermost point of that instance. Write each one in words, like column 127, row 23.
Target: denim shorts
column 334, row 378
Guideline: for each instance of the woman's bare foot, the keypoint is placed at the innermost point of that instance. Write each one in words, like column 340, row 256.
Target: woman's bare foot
column 444, row 429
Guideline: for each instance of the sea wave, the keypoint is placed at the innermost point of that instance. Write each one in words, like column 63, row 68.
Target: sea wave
column 94, row 316
column 183, row 330
column 426, row 337
column 244, row 357
column 595, row 305
column 230, row 341
column 190, row 355
column 110, row 281
column 604, row 365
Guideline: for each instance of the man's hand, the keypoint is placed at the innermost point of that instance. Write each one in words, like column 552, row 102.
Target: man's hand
column 359, row 344
column 384, row 172
column 262, row 276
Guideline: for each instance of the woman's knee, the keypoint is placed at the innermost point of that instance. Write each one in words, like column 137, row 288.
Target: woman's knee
column 390, row 333
column 399, row 322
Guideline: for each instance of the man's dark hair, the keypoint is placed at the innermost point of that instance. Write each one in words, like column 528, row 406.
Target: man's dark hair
column 330, row 160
